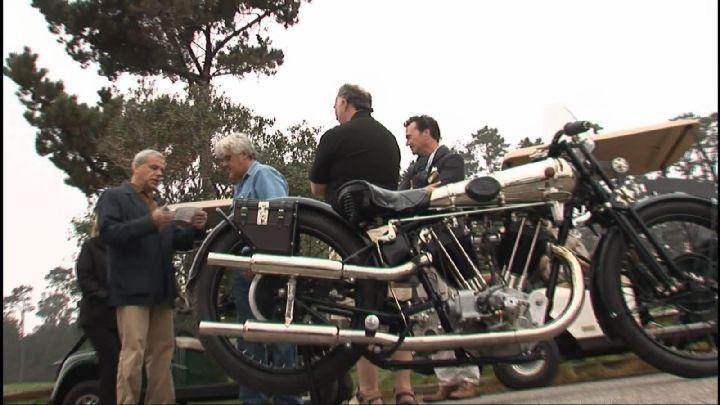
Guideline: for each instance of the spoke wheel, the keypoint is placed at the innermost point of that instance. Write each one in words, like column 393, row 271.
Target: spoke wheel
column 284, row 368
column 674, row 331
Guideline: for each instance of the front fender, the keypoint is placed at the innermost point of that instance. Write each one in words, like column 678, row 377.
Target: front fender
column 665, row 198
column 224, row 226
column 596, row 294
column 600, row 254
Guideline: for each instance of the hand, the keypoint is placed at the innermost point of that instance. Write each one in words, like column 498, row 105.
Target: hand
column 430, row 187
column 162, row 216
column 199, row 219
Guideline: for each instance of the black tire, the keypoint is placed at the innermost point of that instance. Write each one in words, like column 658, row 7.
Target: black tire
column 320, row 364
column 533, row 374
column 642, row 317
column 83, row 393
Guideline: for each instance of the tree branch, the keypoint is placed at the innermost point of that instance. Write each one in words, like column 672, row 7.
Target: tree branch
column 237, row 32
column 193, row 57
column 209, row 53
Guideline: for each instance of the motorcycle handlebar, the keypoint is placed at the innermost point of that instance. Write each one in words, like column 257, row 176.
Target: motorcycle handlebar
column 577, row 127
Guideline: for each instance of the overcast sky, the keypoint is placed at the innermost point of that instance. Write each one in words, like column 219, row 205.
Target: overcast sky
column 500, row 63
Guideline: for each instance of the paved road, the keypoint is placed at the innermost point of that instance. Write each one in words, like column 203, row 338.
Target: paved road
column 647, row 389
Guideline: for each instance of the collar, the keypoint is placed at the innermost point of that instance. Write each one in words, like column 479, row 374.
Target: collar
column 360, row 114
column 140, row 190
column 430, row 159
column 254, row 167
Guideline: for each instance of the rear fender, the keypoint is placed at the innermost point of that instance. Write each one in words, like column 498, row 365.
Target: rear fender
column 223, row 227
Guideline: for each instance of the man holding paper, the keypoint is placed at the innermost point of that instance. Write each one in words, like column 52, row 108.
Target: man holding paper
column 141, row 238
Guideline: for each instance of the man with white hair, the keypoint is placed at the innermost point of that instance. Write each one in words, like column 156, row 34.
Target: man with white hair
column 252, row 179
column 255, row 180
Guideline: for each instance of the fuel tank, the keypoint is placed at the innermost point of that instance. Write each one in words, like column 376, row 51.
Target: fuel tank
column 547, row 180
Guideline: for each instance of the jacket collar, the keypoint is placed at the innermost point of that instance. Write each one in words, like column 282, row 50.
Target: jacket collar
column 441, row 151
column 134, row 195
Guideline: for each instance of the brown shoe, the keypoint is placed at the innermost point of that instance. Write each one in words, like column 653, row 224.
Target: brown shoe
column 441, row 394
column 405, row 398
column 466, row 390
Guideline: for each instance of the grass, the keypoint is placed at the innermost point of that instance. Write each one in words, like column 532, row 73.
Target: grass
column 571, row 371
column 27, row 387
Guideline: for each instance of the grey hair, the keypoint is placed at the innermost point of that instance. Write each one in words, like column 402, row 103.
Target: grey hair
column 360, row 98
column 141, row 157
column 234, row 143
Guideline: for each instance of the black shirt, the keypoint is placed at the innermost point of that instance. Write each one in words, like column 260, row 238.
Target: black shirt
column 360, row 149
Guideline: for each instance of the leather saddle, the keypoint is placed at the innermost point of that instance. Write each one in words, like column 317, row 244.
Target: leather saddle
column 361, row 202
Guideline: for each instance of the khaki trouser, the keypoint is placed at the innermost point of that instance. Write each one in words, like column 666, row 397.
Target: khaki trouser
column 146, row 333
column 368, row 375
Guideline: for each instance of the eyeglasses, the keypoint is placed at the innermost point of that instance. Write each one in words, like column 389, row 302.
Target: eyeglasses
column 228, row 157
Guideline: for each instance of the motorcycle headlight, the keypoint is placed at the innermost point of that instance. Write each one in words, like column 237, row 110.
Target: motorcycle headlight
column 620, row 165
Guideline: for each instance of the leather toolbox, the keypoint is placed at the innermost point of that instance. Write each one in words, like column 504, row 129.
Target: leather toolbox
column 268, row 226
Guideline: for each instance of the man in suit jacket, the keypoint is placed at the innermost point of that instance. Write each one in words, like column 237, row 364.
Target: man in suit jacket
column 141, row 238
column 435, row 163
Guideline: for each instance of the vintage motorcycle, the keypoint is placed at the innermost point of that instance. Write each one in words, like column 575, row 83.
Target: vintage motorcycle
column 459, row 268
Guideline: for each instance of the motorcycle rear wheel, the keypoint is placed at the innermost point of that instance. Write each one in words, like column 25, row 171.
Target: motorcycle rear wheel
column 656, row 327
column 315, row 366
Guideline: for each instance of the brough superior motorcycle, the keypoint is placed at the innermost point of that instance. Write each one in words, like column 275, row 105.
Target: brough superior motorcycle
column 459, row 268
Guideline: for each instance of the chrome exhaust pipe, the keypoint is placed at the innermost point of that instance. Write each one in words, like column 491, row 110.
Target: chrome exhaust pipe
column 315, row 267
column 332, row 335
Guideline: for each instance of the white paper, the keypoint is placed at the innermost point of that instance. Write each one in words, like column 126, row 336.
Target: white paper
column 184, row 214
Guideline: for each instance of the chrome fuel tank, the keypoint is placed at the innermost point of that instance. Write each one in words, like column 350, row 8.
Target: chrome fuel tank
column 546, row 180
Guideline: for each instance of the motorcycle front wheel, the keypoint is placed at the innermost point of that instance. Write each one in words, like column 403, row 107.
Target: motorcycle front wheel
column 316, row 302
column 675, row 332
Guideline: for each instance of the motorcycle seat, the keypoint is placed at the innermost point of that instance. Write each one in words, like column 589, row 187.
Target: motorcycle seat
column 360, row 202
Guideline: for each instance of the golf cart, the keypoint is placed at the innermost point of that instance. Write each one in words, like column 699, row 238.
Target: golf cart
column 195, row 376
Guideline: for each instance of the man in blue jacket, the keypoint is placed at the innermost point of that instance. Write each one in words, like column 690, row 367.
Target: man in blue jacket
column 254, row 180
column 141, row 238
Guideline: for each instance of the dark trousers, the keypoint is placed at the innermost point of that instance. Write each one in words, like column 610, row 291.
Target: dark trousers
column 107, row 346
column 282, row 353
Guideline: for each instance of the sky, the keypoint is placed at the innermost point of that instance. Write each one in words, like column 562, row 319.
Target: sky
column 501, row 63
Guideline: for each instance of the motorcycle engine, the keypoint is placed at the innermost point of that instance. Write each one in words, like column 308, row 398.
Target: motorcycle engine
column 496, row 308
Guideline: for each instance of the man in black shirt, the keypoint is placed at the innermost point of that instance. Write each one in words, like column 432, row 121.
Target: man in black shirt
column 360, row 148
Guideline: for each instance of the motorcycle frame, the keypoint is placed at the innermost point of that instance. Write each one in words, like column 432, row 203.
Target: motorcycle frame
column 618, row 213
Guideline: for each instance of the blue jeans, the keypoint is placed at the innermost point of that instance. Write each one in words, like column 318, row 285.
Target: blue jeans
column 282, row 353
